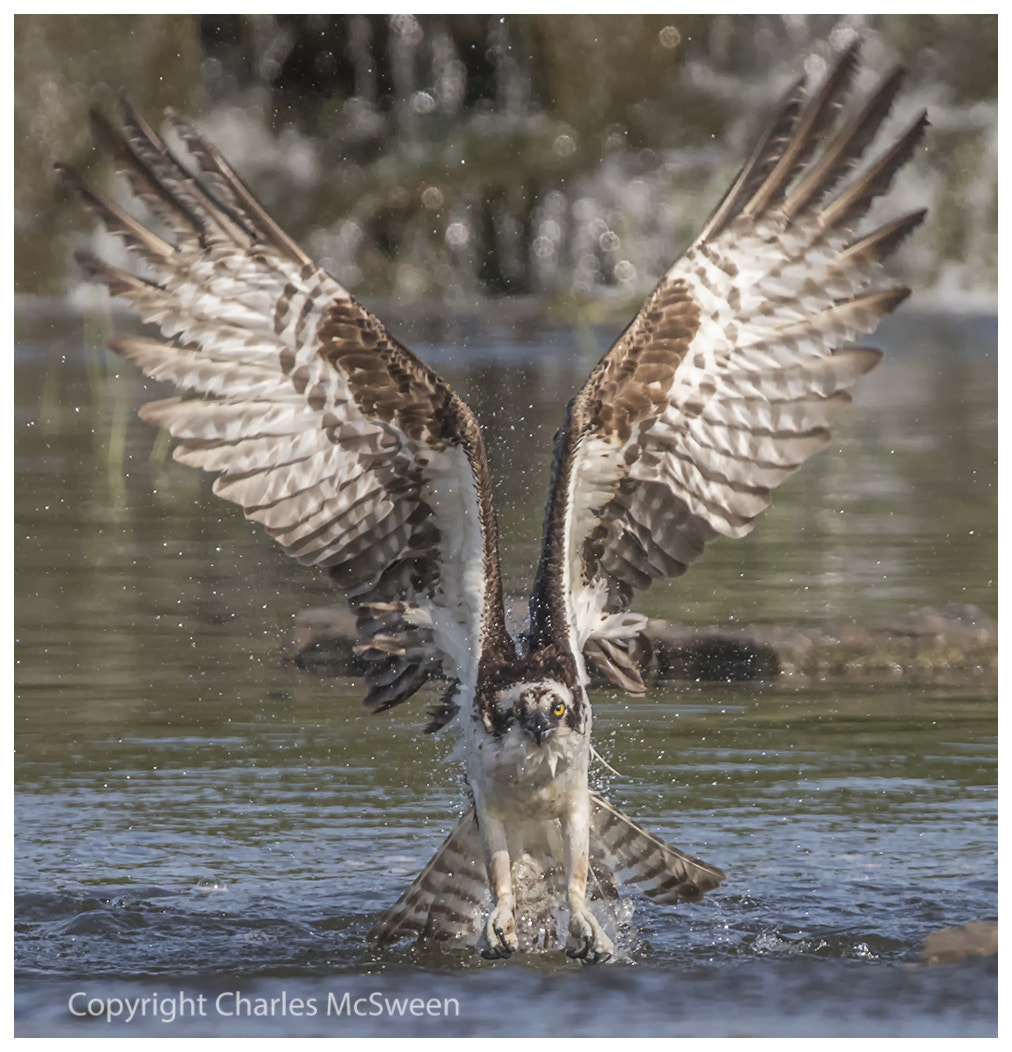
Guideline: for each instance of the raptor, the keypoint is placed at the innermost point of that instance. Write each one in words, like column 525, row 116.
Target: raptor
column 358, row 459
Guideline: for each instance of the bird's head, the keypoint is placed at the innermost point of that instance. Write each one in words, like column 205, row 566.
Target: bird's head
column 540, row 709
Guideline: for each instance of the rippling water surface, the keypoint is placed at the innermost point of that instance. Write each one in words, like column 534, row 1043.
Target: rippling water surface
column 202, row 825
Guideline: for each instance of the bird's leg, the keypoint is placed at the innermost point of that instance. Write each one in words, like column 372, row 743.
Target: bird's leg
column 588, row 942
column 500, row 936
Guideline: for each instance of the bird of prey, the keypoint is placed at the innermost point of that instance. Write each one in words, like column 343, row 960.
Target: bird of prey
column 357, row 458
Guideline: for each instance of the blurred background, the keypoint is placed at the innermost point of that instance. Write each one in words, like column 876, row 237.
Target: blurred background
column 438, row 160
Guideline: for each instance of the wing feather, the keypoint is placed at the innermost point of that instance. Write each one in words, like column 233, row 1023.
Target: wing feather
column 731, row 374
column 350, row 452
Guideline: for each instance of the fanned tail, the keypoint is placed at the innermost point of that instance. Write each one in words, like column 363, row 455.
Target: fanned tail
column 663, row 873
column 447, row 898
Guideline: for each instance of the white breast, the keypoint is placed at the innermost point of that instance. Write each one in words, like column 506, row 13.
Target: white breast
column 537, row 781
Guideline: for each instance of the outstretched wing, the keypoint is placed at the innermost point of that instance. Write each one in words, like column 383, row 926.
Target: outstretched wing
column 350, row 451
column 728, row 378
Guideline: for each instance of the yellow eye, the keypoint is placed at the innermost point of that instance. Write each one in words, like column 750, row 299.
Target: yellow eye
column 558, row 709
column 516, row 710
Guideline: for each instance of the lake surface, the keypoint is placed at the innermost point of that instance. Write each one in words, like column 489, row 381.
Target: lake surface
column 202, row 825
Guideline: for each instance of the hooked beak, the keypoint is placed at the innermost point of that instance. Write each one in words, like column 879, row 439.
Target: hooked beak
column 537, row 726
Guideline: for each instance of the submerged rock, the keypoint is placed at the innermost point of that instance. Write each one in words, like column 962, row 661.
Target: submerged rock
column 952, row 641
column 976, row 939
column 955, row 639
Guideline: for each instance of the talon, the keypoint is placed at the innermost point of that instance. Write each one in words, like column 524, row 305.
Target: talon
column 499, row 939
column 592, row 945
column 501, row 936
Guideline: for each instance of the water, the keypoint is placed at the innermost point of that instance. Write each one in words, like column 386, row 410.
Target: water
column 196, row 818
column 381, row 143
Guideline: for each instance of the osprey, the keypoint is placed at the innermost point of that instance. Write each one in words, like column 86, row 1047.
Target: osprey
column 356, row 457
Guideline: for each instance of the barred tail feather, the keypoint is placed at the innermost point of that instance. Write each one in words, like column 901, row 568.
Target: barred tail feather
column 447, row 898
column 663, row 873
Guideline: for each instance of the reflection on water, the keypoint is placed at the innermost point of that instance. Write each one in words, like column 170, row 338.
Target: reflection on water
column 195, row 815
